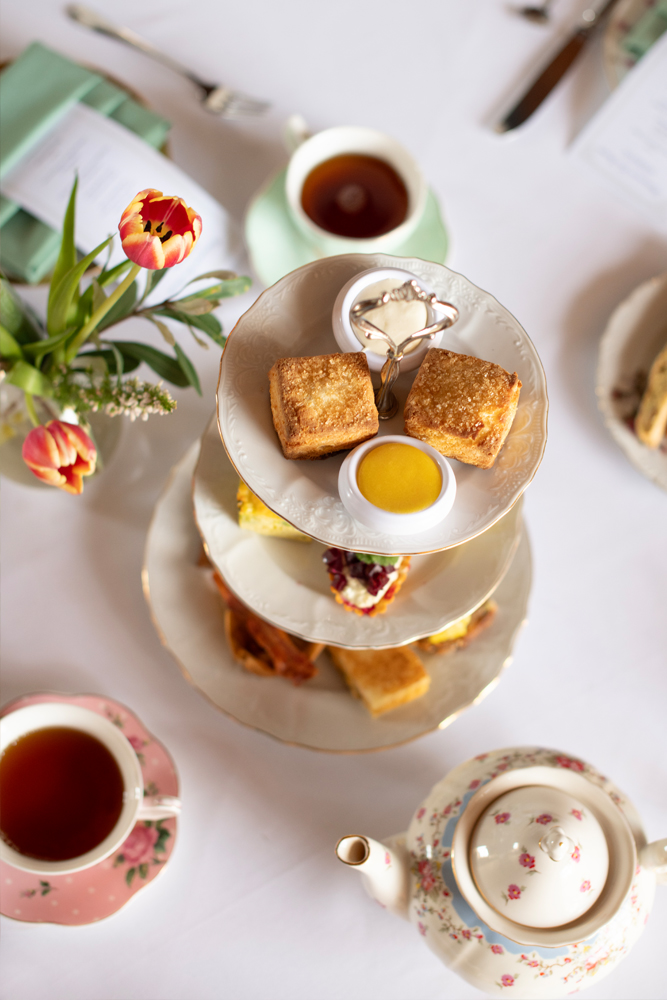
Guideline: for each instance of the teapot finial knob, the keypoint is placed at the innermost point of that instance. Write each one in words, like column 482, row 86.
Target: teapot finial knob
column 557, row 844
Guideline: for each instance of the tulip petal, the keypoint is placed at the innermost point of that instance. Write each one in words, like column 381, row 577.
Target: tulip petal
column 157, row 230
column 40, row 450
column 60, row 454
column 145, row 250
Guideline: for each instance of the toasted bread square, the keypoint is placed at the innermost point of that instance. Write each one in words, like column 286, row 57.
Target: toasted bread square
column 382, row 678
column 462, row 406
column 323, row 404
column 651, row 420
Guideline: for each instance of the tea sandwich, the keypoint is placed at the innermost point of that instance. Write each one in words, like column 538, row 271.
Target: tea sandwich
column 651, row 419
column 462, row 406
column 384, row 679
column 255, row 516
column 323, row 404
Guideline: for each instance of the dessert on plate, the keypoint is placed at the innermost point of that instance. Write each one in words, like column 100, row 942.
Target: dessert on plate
column 651, row 419
column 365, row 584
column 462, row 406
column 461, row 632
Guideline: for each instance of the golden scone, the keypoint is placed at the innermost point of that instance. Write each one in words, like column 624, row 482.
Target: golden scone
column 382, row 678
column 322, row 404
column 458, row 635
column 651, row 419
column 462, row 406
column 255, row 516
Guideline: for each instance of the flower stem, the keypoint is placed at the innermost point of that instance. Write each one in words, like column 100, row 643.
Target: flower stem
column 30, row 407
column 99, row 314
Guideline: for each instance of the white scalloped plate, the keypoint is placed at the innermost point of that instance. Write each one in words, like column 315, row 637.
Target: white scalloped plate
column 286, row 582
column 321, row 714
column 293, row 319
column 635, row 334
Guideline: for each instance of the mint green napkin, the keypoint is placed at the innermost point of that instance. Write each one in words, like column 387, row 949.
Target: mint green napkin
column 35, row 91
column 646, row 31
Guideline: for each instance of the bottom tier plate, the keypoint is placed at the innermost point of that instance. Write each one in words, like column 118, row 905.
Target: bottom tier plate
column 321, row 714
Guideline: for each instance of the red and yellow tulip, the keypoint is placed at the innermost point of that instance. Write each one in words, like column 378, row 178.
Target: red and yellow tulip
column 157, row 231
column 60, row 454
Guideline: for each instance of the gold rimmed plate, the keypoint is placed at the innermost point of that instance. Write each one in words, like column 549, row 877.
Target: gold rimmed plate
column 286, row 582
column 321, row 714
column 293, row 319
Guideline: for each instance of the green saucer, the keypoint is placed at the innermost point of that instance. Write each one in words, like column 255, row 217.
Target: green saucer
column 276, row 246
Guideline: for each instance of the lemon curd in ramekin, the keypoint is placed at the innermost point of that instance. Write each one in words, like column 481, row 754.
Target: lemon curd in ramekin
column 397, row 485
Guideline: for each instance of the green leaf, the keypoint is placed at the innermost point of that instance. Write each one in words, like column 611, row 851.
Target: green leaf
column 378, row 560
column 16, row 316
column 187, row 367
column 222, row 275
column 119, row 860
column 63, row 293
column 67, row 255
column 143, row 870
column 163, row 328
column 153, row 279
column 109, row 357
column 120, row 309
column 129, row 875
column 43, row 347
column 197, row 307
column 10, row 349
column 106, row 277
column 29, row 379
column 164, row 365
column 99, row 295
column 234, row 285
column 209, row 324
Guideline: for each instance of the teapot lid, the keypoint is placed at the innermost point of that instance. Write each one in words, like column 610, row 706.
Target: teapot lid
column 539, row 857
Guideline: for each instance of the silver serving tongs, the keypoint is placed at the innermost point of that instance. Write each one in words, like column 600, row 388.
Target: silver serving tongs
column 385, row 400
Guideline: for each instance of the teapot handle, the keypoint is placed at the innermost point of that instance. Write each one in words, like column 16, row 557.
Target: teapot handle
column 654, row 857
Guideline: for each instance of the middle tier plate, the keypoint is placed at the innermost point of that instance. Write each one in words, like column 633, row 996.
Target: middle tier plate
column 286, row 583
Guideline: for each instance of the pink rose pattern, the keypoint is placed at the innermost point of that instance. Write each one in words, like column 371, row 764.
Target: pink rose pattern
column 514, row 891
column 544, row 818
column 427, row 875
column 141, row 849
column 527, row 860
column 576, row 854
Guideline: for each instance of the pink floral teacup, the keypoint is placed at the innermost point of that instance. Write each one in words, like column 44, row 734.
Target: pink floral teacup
column 134, row 805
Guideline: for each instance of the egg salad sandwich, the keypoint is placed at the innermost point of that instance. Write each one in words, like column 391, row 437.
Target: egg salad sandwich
column 255, row 516
column 461, row 632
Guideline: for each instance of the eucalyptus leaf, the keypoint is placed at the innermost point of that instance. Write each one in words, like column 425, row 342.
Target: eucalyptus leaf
column 223, row 290
column 30, row 379
column 188, row 368
column 43, row 347
column 164, row 330
column 60, row 302
column 99, row 295
column 196, row 307
column 165, row 366
column 108, row 355
column 221, row 275
column 209, row 324
column 10, row 349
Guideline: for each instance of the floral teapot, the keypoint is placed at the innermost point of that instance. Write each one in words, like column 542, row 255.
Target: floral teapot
column 525, row 870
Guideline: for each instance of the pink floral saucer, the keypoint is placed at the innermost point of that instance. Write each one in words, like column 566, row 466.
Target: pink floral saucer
column 90, row 895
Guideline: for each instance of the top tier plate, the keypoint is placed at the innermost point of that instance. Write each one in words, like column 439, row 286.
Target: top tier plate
column 293, row 319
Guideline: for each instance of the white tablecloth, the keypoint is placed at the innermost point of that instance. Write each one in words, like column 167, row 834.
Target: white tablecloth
column 253, row 904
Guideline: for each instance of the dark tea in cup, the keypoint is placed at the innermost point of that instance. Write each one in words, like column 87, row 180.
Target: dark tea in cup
column 61, row 793
column 355, row 196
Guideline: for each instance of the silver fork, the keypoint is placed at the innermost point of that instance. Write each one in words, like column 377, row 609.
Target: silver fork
column 217, row 99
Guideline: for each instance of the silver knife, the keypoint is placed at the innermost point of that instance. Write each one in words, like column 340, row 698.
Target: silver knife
column 542, row 86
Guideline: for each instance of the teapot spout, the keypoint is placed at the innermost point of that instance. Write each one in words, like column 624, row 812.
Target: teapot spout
column 384, row 868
